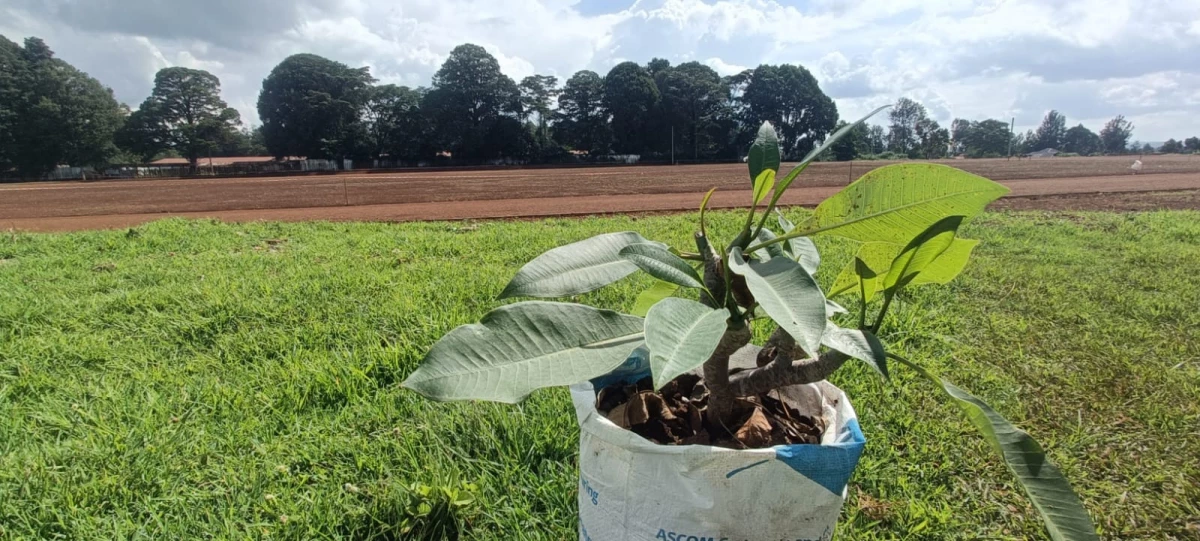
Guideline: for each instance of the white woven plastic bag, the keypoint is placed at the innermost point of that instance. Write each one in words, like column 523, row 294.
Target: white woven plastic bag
column 632, row 489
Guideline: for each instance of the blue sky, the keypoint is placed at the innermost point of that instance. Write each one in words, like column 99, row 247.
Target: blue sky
column 975, row 59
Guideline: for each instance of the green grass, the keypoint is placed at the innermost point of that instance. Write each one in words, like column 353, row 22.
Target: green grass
column 191, row 379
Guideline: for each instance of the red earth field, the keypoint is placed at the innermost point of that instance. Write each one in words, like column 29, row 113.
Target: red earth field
column 1059, row 183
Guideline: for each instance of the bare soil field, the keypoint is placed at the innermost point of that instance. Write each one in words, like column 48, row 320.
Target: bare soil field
column 521, row 192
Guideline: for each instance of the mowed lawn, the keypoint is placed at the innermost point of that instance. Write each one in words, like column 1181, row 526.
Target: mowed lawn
column 192, row 379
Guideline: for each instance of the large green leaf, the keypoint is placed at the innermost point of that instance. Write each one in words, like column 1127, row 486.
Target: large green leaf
column 802, row 249
column 920, row 253
column 1061, row 510
column 764, row 152
column 657, row 292
column 763, row 185
column 859, row 344
column 681, row 334
column 896, row 203
column 878, row 257
column 662, row 264
column 525, row 346
column 788, row 294
column 575, row 268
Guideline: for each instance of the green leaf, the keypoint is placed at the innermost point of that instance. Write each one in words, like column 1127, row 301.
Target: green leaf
column 920, row 252
column 764, row 152
column 763, row 185
column 878, row 257
column 522, row 347
column 661, row 264
column 859, row 344
column 801, row 249
column 774, row 250
column 897, row 202
column 575, row 268
column 1060, row 508
column 681, row 334
column 788, row 294
column 948, row 265
column 657, row 292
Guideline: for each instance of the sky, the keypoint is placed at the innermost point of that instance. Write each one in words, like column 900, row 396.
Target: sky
column 1089, row 59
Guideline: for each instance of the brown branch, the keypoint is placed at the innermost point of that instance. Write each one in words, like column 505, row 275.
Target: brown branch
column 781, row 371
column 716, row 373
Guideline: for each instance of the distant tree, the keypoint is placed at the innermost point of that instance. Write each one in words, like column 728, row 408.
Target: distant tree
column 1192, row 144
column 692, row 97
column 632, row 98
column 960, row 131
column 582, row 119
column 902, row 133
column 1171, row 146
column 934, row 139
column 877, row 139
column 1147, row 148
column 788, row 96
column 1051, row 133
column 52, row 114
column 312, row 106
column 1081, row 140
column 245, row 142
column 185, row 114
column 657, row 66
column 1115, row 135
column 852, row 145
column 538, row 93
column 1020, row 144
column 469, row 98
column 394, row 122
column 986, row 138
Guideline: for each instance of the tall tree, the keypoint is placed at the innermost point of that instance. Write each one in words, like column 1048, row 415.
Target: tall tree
column 469, row 98
column 632, row 98
column 934, row 139
column 52, row 114
column 788, row 96
column 1192, row 144
column 538, row 92
column 877, row 138
column 582, row 119
column 960, row 132
column 395, row 122
column 312, row 106
column 1081, row 140
column 184, row 113
column 692, row 96
column 1050, row 133
column 902, row 133
column 1115, row 135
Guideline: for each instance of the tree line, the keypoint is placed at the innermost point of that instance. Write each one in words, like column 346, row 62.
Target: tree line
column 53, row 114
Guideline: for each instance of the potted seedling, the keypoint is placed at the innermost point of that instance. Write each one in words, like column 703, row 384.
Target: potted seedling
column 690, row 432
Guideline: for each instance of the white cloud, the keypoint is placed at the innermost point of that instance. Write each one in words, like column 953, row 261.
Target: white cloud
column 1090, row 59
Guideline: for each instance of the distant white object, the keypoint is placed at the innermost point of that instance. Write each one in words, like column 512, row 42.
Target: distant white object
column 745, row 159
column 1137, row 166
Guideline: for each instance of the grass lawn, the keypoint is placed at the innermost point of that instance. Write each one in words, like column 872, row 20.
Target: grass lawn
column 191, row 379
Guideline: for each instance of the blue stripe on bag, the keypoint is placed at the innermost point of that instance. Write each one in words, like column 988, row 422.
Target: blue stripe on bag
column 827, row 465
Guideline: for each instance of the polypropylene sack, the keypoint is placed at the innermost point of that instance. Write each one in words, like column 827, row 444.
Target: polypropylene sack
column 632, row 489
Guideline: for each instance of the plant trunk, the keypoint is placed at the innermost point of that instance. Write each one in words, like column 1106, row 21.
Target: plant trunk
column 716, row 375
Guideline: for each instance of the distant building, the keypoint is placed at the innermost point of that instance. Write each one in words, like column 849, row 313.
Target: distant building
column 1043, row 153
